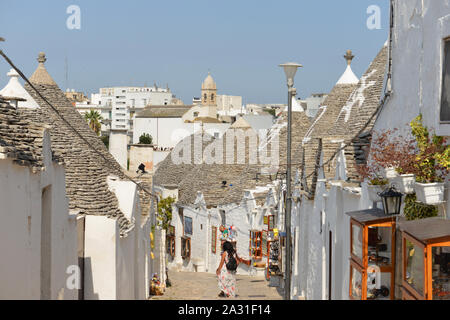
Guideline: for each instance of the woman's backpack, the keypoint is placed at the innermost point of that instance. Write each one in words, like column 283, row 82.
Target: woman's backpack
column 232, row 263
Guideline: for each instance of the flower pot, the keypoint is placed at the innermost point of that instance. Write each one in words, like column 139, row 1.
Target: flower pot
column 429, row 193
column 389, row 173
column 404, row 183
column 374, row 191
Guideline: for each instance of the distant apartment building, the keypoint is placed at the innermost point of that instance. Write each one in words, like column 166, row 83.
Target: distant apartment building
column 118, row 105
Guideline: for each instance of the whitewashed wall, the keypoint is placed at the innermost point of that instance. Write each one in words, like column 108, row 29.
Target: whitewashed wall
column 315, row 220
column 167, row 132
column 117, row 267
column 160, row 129
column 118, row 141
column 420, row 28
column 417, row 59
column 20, row 230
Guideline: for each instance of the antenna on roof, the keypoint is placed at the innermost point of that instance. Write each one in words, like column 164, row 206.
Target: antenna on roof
column 67, row 72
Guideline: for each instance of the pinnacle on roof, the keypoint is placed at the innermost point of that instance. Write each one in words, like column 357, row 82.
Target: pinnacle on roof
column 41, row 76
column 348, row 77
column 349, row 57
column 15, row 89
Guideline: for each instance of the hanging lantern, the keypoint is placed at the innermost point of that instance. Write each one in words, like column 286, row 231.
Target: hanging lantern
column 392, row 201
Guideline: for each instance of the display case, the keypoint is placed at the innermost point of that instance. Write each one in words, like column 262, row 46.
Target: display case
column 255, row 247
column 426, row 259
column 372, row 252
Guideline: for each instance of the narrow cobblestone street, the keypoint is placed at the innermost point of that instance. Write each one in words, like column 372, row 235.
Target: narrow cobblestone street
column 203, row 286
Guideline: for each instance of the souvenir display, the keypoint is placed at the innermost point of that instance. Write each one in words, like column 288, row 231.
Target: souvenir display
column 274, row 265
column 372, row 251
column 255, row 247
column 228, row 234
column 156, row 288
column 425, row 252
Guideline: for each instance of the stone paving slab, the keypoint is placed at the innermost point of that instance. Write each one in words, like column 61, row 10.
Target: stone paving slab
column 203, row 286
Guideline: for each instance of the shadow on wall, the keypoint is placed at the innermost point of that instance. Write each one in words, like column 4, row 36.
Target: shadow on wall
column 87, row 276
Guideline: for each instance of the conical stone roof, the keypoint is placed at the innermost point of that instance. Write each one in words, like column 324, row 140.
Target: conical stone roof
column 87, row 172
column 40, row 75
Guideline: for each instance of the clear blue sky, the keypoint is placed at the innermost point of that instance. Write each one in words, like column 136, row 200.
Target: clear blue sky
column 137, row 42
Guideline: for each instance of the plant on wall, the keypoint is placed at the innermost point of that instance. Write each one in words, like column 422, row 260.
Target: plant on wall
column 164, row 215
column 390, row 150
column 371, row 174
column 426, row 157
column 433, row 158
column 415, row 210
column 145, row 138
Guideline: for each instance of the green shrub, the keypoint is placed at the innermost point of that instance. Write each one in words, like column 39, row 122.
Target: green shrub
column 416, row 210
column 164, row 215
column 145, row 138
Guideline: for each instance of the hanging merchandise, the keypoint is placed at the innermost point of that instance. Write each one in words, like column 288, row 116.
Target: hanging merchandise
column 228, row 234
column 156, row 288
column 275, row 233
column 274, row 268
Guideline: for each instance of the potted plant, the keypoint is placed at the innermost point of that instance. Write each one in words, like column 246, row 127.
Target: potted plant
column 396, row 155
column 432, row 164
column 375, row 186
column 376, row 183
column 405, row 179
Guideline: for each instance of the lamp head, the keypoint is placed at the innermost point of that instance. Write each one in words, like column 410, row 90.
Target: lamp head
column 392, row 200
column 290, row 69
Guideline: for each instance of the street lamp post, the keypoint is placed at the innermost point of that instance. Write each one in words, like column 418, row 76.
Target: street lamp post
column 290, row 69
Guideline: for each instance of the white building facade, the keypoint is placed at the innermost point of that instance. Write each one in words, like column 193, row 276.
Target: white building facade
column 38, row 234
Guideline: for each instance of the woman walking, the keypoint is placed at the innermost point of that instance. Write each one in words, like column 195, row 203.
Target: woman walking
column 227, row 275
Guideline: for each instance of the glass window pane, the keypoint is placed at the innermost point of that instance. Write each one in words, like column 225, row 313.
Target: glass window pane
column 441, row 273
column 414, row 266
column 357, row 236
column 356, row 284
column 445, row 102
column 379, row 245
column 378, row 284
